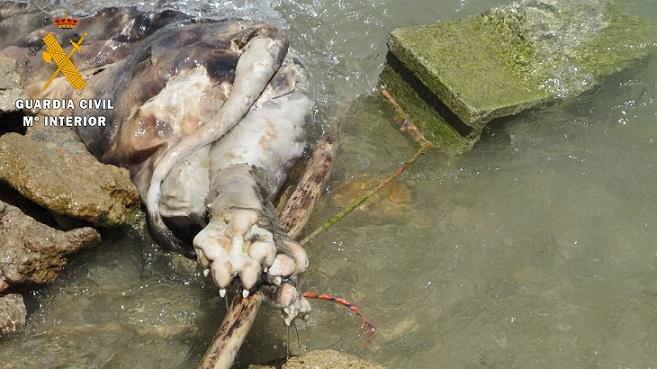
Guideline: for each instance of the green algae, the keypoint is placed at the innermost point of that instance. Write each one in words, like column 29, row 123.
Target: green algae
column 625, row 40
column 512, row 58
column 465, row 71
column 435, row 129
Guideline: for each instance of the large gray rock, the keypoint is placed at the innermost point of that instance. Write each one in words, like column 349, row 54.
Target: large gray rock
column 12, row 313
column 32, row 252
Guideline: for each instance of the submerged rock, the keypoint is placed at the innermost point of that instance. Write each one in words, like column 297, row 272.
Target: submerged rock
column 32, row 252
column 12, row 313
column 322, row 359
column 506, row 60
column 52, row 168
column 393, row 201
column 328, row 359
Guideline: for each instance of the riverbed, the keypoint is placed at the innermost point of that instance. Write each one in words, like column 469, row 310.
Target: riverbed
column 536, row 249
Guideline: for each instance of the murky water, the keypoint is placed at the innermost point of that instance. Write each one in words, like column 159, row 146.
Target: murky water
column 534, row 250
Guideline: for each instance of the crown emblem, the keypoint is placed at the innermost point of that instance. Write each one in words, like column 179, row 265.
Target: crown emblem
column 65, row 22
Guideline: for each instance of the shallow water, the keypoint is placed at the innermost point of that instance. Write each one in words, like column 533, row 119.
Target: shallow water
column 534, row 250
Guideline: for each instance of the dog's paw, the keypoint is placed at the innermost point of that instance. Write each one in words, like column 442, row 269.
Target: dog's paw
column 238, row 243
column 287, row 298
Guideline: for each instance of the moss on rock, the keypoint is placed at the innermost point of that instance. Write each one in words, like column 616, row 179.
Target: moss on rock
column 435, row 129
column 512, row 58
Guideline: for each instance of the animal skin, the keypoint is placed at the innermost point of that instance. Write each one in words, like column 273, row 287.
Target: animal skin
column 209, row 116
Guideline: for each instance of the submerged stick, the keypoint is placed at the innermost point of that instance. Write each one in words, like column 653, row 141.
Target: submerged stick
column 242, row 311
column 354, row 205
column 407, row 126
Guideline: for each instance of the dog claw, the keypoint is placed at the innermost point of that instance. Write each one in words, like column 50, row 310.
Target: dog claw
column 222, row 292
column 245, row 293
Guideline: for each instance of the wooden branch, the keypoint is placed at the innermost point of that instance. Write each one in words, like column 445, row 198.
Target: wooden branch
column 232, row 332
column 242, row 312
column 297, row 210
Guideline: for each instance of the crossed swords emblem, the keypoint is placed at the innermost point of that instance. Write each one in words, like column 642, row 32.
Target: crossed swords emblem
column 63, row 60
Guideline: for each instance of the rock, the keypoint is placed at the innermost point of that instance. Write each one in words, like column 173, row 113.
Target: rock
column 393, row 201
column 10, row 88
column 12, row 313
column 422, row 108
column 52, row 168
column 328, row 359
column 506, row 60
column 15, row 17
column 320, row 359
column 32, row 252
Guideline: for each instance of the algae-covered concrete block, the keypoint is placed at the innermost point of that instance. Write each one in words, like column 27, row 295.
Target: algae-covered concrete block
column 511, row 58
column 421, row 105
